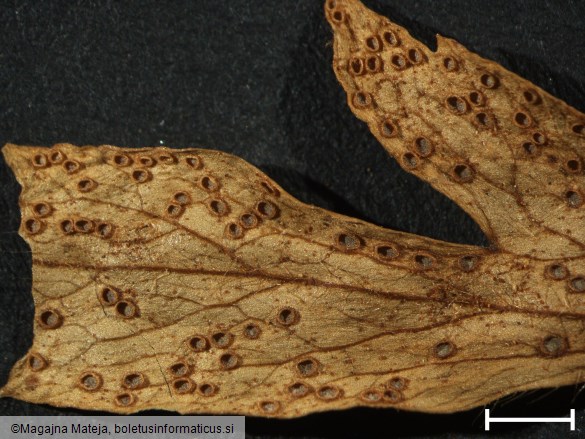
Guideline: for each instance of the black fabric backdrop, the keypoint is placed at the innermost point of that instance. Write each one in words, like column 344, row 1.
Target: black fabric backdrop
column 254, row 78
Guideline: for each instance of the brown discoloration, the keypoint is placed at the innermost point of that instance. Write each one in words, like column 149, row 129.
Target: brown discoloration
column 252, row 302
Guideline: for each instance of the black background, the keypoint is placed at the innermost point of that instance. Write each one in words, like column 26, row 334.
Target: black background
column 254, row 78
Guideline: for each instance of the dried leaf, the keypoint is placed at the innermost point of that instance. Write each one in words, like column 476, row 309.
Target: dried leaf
column 187, row 280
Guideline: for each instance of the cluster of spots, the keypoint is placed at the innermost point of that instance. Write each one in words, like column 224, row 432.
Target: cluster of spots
column 42, row 160
column 221, row 340
column 391, row 392
column 36, row 225
column 263, row 211
column 559, row 272
column 176, row 206
column 125, row 308
column 50, row 319
column 182, row 383
column 85, row 226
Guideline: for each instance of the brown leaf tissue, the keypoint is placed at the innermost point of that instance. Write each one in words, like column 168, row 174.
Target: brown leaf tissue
column 187, row 280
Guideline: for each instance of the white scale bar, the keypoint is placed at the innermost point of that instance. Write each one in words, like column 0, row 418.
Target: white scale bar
column 570, row 419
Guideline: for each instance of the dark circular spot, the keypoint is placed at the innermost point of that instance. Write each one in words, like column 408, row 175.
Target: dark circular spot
column 298, row 389
column 423, row 147
column 387, row 251
column 388, row 129
column 194, row 161
column 392, row 396
column 456, row 105
column 109, row 296
column 179, row 369
column 167, row 158
column 409, row 160
column 391, row 38
column 373, row 64
column 67, row 227
column 207, row 389
column 267, row 209
column 362, row 99
column 477, row 98
column 71, row 166
column 90, row 381
column 175, row 210
column 57, row 157
column 222, row 339
column 217, row 207
column 36, row 362
column 554, row 346
column 328, row 392
column 42, row 210
column 308, row 367
column 539, row 138
column 198, row 343
column 40, row 161
column 122, row 160
column 83, row 225
column 374, row 43
column 147, row 161
column 229, row 361
column 209, row 184
column 468, row 263
column 531, row 97
column 270, row 407
column 356, row 66
column 574, row 199
column 248, row 220
column 556, row 271
column 443, row 350
column 125, row 399
column 348, row 241
column 530, row 149
column 34, row 226
column 50, row 319
column 399, row 61
column 105, row 230
column 397, row 383
column 484, row 120
column 463, row 173
column 577, row 284
column 135, row 380
column 86, row 185
column 415, row 56
column 338, row 16
column 450, row 64
column 424, row 261
column 288, row 316
column 183, row 385
column 522, row 120
column 489, row 81
column 579, row 129
column 182, row 198
column 252, row 331
column 270, row 189
column 141, row 175
column 234, row 231
column 127, row 309
column 371, row 395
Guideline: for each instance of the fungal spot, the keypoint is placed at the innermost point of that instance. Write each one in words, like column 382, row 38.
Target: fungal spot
column 477, row 98
column 222, row 339
column 270, row 189
column 299, row 389
column 388, row 129
column 348, row 242
column 86, row 185
column 489, row 81
column 109, row 296
column 531, row 97
column 141, row 175
column 67, row 227
column 90, row 381
column 409, row 160
column 468, row 263
column 416, row 56
column 127, row 309
column 234, row 231
column 424, row 261
column 391, row 38
column 556, row 271
column 554, row 346
column 423, row 147
column 456, row 105
column 217, row 207
column 229, row 361
column 579, row 129
column 530, row 149
column 392, row 396
column 399, row 61
column 71, row 166
column 125, row 399
column 42, row 210
column 40, row 161
column 179, row 369
column 122, row 160
column 387, row 251
column 194, row 161
column 397, row 383
column 577, row 284
column 57, row 157
column 167, row 158
column 539, row 138
column 267, row 209
column 182, row 198
column 328, row 393
column 50, row 319
column 198, row 343
column 331, row 4
column 338, row 16
column 34, row 226
column 374, row 43
column 104, row 230
column 135, row 380
column 252, row 331
column 450, row 64
column 288, row 316
column 484, row 120
column 362, row 99
column 269, row 407
column 443, row 350
column 357, row 66
column 175, row 210
column 463, row 173
column 248, row 220
column 574, row 199
column 83, row 225
column 308, row 367
column 573, row 166
column 36, row 362
column 209, row 183
column 146, row 161
column 370, row 395
column 373, row 64
column 522, row 120
column 183, row 385
column 207, row 389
